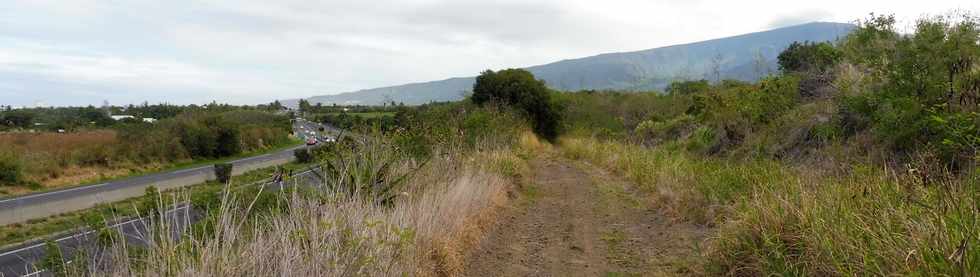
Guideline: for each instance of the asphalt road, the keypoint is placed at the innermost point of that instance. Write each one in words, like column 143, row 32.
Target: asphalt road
column 301, row 129
column 18, row 261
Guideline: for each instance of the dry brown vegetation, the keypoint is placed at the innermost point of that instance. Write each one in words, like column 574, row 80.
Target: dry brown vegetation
column 47, row 156
column 441, row 212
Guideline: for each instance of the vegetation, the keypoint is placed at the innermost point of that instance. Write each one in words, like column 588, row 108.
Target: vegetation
column 406, row 200
column 303, row 155
column 518, row 88
column 58, row 159
column 222, row 172
column 859, row 159
column 202, row 195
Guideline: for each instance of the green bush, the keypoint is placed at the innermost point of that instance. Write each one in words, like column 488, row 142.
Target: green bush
column 668, row 129
column 809, row 56
column 222, row 172
column 151, row 202
column 303, row 155
column 53, row 261
column 518, row 88
column 704, row 140
column 11, row 169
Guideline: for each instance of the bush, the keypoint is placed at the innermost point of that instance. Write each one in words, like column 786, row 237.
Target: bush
column 669, row 129
column 808, row 56
column 11, row 169
column 222, row 172
column 303, row 155
column 151, row 202
column 53, row 261
column 518, row 88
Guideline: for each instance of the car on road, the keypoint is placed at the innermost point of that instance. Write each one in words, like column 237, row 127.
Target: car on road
column 311, row 141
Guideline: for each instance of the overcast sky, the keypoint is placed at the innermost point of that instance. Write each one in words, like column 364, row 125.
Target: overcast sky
column 81, row 52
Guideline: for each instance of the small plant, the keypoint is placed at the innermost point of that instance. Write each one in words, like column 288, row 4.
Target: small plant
column 10, row 170
column 151, row 201
column 54, row 260
column 303, row 155
column 222, row 172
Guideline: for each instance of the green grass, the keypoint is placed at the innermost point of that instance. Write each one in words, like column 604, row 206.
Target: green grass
column 69, row 222
column 169, row 168
column 773, row 218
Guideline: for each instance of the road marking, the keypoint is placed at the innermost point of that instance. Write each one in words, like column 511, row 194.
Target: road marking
column 31, row 196
column 51, row 192
column 183, row 206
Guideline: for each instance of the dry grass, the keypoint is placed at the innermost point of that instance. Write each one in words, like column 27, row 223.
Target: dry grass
column 53, row 156
column 441, row 213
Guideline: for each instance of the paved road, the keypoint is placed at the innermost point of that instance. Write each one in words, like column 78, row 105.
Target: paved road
column 40, row 205
column 19, row 261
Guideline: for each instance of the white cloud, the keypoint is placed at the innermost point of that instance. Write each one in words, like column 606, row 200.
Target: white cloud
column 252, row 51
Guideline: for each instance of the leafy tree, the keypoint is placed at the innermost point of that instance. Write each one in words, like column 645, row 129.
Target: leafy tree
column 808, row 56
column 18, row 118
column 687, row 87
column 518, row 88
column 97, row 116
column 304, row 106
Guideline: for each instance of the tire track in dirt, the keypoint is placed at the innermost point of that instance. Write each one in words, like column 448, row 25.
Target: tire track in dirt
column 577, row 220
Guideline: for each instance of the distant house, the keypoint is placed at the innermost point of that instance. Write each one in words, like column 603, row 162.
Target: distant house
column 121, row 117
column 149, row 119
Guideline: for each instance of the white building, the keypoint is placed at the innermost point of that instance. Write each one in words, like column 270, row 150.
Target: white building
column 121, row 117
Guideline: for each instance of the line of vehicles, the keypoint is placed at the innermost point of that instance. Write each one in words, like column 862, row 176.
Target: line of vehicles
column 312, row 132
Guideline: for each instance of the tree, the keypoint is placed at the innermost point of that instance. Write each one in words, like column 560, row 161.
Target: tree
column 687, row 87
column 304, row 106
column 807, row 56
column 519, row 89
column 18, row 119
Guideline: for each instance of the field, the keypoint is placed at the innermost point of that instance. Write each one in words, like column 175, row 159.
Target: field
column 46, row 160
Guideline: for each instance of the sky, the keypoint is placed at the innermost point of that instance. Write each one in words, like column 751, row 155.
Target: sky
column 84, row 52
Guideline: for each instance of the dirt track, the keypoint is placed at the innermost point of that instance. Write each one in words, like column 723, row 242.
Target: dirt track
column 576, row 220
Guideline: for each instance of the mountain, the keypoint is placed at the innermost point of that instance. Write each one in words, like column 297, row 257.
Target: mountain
column 745, row 57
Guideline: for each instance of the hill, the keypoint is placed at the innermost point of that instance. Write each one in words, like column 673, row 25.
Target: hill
column 744, row 57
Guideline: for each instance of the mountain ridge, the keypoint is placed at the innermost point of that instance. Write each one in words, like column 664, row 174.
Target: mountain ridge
column 649, row 69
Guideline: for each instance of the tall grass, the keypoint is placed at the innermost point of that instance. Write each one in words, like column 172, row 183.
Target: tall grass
column 48, row 155
column 775, row 219
column 441, row 211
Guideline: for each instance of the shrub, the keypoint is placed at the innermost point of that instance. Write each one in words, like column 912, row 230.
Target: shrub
column 688, row 87
column 53, row 261
column 151, row 202
column 518, row 88
column 11, row 169
column 303, row 155
column 669, row 129
column 222, row 172
column 704, row 140
column 809, row 56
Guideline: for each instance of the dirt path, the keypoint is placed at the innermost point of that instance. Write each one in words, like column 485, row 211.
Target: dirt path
column 576, row 220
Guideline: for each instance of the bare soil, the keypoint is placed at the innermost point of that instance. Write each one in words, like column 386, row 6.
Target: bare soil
column 575, row 219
